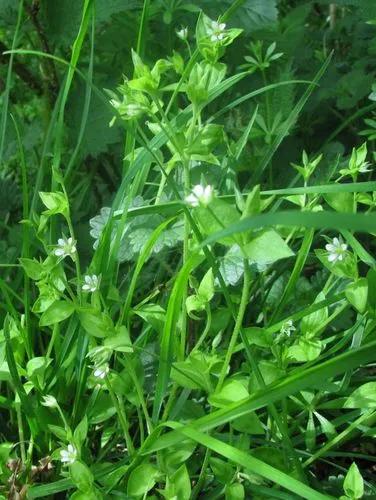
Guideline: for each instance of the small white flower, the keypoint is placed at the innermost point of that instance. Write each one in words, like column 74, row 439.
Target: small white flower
column 337, row 250
column 91, row 283
column 101, row 371
column 66, row 247
column 364, row 168
column 49, row 401
column 69, row 455
column 200, row 196
column 182, row 33
column 216, row 31
column 287, row 328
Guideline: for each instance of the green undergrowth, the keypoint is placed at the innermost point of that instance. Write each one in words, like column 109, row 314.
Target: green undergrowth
column 188, row 295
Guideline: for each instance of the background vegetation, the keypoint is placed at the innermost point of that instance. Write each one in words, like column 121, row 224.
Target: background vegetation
column 188, row 278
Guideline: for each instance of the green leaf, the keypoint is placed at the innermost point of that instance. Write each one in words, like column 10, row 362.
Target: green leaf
column 206, row 288
column 234, row 492
column 174, row 456
column 37, row 366
column 341, row 202
column 59, row 432
column 32, row 268
column 80, row 432
column 222, row 470
column 58, row 311
column 353, row 484
column 249, row 424
column 363, row 397
column 305, row 350
column 310, row 325
column 81, row 476
column 181, row 483
column 56, row 203
column 217, row 216
column 357, row 294
column 232, row 266
column 258, row 336
column 371, row 278
column 194, row 372
column 231, row 391
column 96, row 323
column 267, row 247
column 141, row 480
column 153, row 314
column 120, row 342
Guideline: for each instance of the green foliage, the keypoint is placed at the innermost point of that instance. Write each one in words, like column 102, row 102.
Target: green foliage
column 187, row 249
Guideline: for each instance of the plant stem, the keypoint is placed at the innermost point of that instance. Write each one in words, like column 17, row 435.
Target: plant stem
column 122, row 417
column 238, row 323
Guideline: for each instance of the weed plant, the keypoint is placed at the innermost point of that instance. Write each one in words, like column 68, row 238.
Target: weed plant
column 216, row 337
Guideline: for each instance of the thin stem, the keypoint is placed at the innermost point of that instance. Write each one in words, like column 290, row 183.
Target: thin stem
column 122, row 417
column 238, row 323
column 201, row 478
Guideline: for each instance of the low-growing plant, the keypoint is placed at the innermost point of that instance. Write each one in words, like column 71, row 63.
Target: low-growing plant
column 216, row 338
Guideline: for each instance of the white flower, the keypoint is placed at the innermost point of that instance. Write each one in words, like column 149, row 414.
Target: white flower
column 69, row 455
column 287, row 328
column 200, row 196
column 91, row 283
column 337, row 250
column 66, row 247
column 217, row 31
column 101, row 371
column 182, row 33
column 49, row 401
column 364, row 168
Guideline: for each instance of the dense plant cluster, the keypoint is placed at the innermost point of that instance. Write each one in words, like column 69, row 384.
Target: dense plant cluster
column 188, row 273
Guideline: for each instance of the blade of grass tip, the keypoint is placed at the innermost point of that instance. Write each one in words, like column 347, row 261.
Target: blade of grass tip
column 142, row 29
column 168, row 334
column 295, row 382
column 76, row 49
column 251, row 463
column 230, row 11
column 25, row 241
column 289, row 122
column 317, row 220
column 5, row 98
column 294, row 276
column 87, row 101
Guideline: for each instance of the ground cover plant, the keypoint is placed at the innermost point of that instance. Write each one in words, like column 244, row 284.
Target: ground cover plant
column 188, row 274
